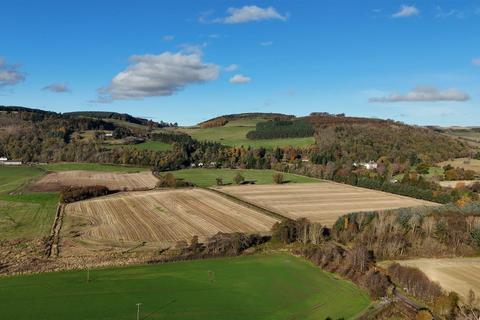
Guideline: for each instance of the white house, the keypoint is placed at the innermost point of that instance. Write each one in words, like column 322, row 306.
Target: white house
column 371, row 165
column 108, row 135
column 2, row 159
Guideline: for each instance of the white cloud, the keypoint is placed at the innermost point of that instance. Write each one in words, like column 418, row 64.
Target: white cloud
column 231, row 68
column 158, row 75
column 406, row 11
column 266, row 43
column 168, row 37
column 10, row 74
column 424, row 94
column 240, row 79
column 476, row 61
column 57, row 87
column 249, row 14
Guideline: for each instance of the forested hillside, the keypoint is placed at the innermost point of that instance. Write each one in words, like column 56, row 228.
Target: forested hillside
column 118, row 116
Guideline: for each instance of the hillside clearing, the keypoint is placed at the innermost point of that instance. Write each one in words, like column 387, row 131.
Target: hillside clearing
column 56, row 181
column 234, row 134
column 207, row 177
column 147, row 145
column 161, row 216
column 319, row 202
column 453, row 274
column 276, row 286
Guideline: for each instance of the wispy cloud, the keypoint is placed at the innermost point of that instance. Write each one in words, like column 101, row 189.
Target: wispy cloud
column 406, row 11
column 441, row 13
column 231, row 68
column 244, row 14
column 476, row 61
column 424, row 94
column 240, row 79
column 57, row 87
column 266, row 43
column 168, row 37
column 10, row 74
column 158, row 75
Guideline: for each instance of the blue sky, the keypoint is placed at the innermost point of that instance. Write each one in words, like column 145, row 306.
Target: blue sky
column 186, row 61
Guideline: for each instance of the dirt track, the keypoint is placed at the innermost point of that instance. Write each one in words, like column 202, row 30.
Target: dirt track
column 56, row 181
column 320, row 202
column 164, row 216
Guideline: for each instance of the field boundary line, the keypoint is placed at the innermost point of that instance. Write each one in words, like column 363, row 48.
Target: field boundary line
column 54, row 238
column 248, row 204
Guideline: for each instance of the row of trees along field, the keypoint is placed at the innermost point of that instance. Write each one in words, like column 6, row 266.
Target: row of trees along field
column 352, row 247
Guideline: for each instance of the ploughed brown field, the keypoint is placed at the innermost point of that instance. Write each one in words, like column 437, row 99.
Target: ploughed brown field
column 56, row 181
column 160, row 217
column 453, row 274
column 320, row 202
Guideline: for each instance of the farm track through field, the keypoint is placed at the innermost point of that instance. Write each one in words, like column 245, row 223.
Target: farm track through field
column 52, row 246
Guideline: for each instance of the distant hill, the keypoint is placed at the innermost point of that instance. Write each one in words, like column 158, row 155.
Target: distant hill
column 119, row 116
column 223, row 120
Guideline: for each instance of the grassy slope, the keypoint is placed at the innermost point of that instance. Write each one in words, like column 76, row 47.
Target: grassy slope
column 278, row 286
column 234, row 134
column 66, row 166
column 207, row 177
column 147, row 145
column 24, row 215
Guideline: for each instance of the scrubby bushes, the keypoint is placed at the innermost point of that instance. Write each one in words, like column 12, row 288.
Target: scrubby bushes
column 72, row 194
column 356, row 264
column 170, row 181
column 301, row 230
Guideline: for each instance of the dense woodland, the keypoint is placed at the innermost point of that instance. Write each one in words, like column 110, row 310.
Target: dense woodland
column 414, row 232
column 278, row 129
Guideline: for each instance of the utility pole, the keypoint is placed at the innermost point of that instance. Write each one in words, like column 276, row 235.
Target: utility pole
column 138, row 310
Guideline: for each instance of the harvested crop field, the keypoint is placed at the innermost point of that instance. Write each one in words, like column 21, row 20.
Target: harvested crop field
column 161, row 216
column 455, row 274
column 319, row 202
column 56, row 181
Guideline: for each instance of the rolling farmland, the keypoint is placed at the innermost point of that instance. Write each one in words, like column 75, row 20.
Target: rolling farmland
column 319, row 202
column 164, row 216
column 455, row 274
column 56, row 181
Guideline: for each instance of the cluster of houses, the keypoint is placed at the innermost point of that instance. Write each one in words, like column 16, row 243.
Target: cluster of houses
column 212, row 164
column 5, row 162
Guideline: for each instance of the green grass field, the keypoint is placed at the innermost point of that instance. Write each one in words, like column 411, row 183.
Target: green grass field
column 277, row 286
column 147, row 145
column 207, row 177
column 12, row 178
column 67, row 166
column 28, row 215
column 234, row 134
